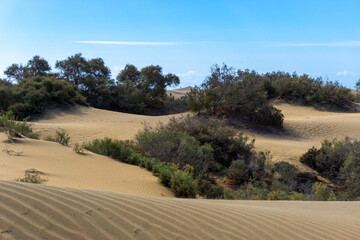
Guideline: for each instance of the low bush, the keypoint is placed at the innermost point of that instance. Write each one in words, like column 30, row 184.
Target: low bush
column 16, row 128
column 32, row 177
column 321, row 192
column 62, row 137
column 338, row 160
column 180, row 181
column 33, row 95
column 79, row 149
column 182, row 184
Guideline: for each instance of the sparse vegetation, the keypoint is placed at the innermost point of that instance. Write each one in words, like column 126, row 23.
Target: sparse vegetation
column 79, row 149
column 32, row 176
column 16, row 128
column 62, row 137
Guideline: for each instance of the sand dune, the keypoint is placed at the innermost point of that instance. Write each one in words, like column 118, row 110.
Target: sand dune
column 180, row 92
column 304, row 127
column 30, row 211
column 63, row 167
column 118, row 211
column 86, row 123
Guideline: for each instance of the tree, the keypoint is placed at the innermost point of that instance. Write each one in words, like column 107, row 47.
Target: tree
column 15, row 72
column 73, row 69
column 130, row 75
column 138, row 90
column 36, row 66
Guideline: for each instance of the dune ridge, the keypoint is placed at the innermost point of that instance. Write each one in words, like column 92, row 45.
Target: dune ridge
column 31, row 211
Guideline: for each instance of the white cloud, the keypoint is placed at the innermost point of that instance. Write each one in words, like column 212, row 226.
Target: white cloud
column 134, row 43
column 117, row 68
column 346, row 73
column 190, row 73
column 305, row 44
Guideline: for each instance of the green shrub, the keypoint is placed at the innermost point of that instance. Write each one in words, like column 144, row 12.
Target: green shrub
column 62, row 137
column 268, row 115
column 321, row 192
column 182, row 184
column 16, row 128
column 205, row 143
column 278, row 195
column 228, row 194
column 338, row 160
column 33, row 95
column 32, row 177
column 228, row 92
column 208, row 188
column 79, row 149
column 116, row 149
column 49, row 139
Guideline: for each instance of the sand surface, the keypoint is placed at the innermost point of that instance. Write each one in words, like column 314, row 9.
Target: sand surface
column 304, row 127
column 131, row 202
column 180, row 92
column 30, row 211
column 63, row 167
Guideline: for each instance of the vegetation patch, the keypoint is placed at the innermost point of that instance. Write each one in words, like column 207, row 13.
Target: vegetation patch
column 339, row 161
column 33, row 176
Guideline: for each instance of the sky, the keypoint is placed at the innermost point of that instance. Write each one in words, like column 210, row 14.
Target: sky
column 320, row 38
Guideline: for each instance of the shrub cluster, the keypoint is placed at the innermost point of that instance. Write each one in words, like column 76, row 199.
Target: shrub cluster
column 180, row 181
column 248, row 93
column 16, row 128
column 87, row 81
column 339, row 161
column 212, row 148
column 32, row 96
column 228, row 92
column 206, row 144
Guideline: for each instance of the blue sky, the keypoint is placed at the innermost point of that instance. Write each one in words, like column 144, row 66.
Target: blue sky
column 320, row 38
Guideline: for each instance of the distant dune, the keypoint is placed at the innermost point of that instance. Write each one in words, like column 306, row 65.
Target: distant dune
column 180, row 92
column 30, row 211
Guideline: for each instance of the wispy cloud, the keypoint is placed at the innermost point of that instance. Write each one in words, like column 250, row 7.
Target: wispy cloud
column 135, row 43
column 307, row 44
column 347, row 73
column 190, row 73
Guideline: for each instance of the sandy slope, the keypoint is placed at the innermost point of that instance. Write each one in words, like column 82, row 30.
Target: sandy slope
column 304, row 127
column 30, row 211
column 63, row 167
column 177, row 93
column 86, row 123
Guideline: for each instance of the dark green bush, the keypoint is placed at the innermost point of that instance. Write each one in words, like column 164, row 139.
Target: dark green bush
column 181, row 182
column 321, row 192
column 338, row 160
column 33, row 95
column 183, row 185
column 197, row 138
column 229, row 92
